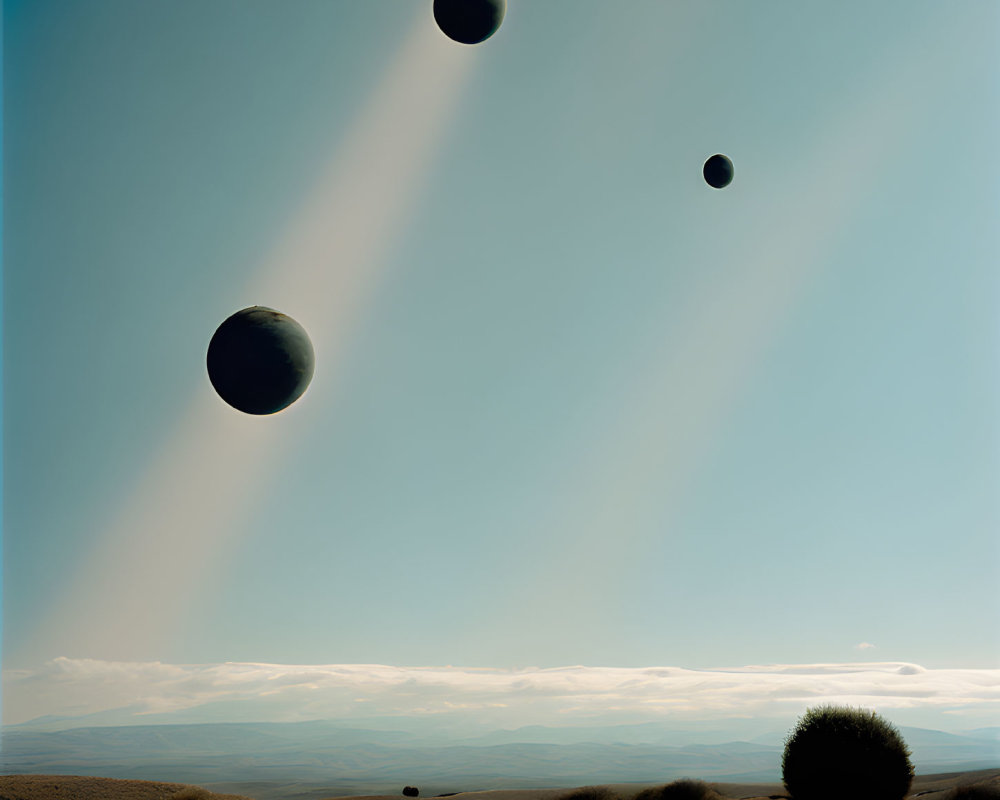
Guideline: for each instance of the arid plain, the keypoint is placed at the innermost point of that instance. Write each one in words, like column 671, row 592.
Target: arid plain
column 940, row 786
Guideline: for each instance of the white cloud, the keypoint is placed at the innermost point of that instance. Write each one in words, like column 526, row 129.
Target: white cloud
column 502, row 697
column 864, row 646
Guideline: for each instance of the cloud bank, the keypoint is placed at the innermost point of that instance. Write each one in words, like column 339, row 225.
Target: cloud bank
column 488, row 696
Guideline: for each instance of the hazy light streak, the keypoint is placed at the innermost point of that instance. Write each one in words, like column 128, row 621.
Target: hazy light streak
column 686, row 388
column 132, row 596
column 323, row 270
column 295, row 692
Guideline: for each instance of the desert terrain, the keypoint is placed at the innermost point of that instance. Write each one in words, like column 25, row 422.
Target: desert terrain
column 940, row 786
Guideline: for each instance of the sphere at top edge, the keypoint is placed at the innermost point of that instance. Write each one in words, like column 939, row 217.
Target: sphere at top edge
column 469, row 21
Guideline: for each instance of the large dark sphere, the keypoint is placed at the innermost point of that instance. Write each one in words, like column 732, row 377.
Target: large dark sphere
column 260, row 360
column 469, row 21
column 718, row 171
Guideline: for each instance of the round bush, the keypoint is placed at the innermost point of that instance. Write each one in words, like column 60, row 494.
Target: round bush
column 837, row 752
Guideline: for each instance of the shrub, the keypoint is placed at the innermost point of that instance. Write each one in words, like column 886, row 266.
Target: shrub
column 683, row 789
column 192, row 793
column 589, row 793
column 981, row 792
column 410, row 791
column 837, row 752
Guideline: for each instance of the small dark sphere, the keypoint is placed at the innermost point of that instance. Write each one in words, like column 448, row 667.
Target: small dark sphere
column 469, row 21
column 718, row 171
column 260, row 360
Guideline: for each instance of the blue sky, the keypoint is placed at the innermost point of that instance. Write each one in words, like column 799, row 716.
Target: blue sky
column 571, row 405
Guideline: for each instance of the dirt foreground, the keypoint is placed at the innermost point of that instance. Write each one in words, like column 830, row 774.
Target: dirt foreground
column 71, row 787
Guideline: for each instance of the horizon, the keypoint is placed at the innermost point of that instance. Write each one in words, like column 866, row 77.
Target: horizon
column 571, row 405
column 279, row 760
column 468, row 699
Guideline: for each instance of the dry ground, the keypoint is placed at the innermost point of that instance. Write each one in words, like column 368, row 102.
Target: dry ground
column 72, row 787
column 68, row 787
column 926, row 787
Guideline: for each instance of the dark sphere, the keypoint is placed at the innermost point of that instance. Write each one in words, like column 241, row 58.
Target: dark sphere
column 469, row 21
column 718, row 171
column 260, row 360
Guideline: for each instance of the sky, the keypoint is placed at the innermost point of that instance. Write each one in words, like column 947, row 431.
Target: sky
column 571, row 406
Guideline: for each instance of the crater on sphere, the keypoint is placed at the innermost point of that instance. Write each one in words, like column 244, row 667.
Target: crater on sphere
column 260, row 361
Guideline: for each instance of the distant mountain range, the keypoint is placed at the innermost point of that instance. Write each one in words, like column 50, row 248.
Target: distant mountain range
column 370, row 760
